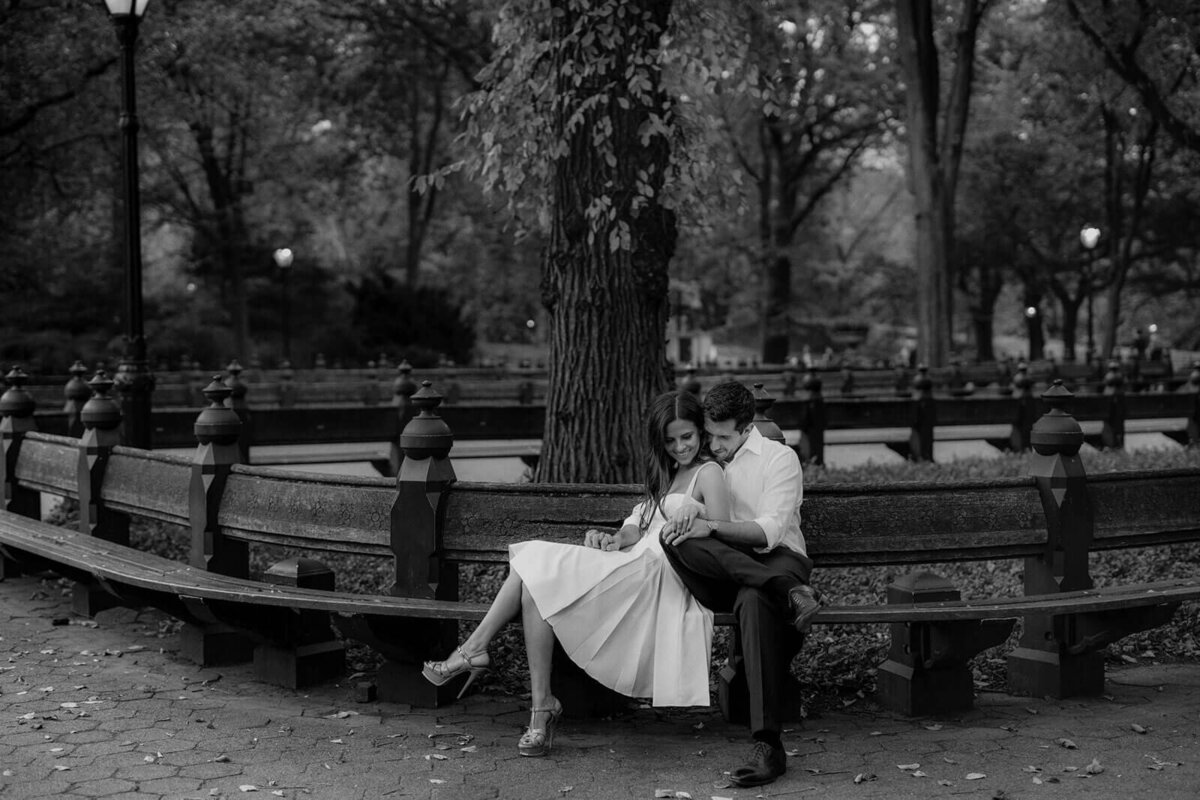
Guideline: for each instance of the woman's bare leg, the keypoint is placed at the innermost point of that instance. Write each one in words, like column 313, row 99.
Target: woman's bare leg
column 505, row 607
column 539, row 650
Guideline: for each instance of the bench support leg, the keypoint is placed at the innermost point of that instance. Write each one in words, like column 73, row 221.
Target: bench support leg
column 928, row 667
column 1052, row 673
column 301, row 665
column 307, row 652
column 209, row 642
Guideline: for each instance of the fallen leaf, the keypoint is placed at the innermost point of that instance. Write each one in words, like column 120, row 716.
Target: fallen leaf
column 222, row 758
column 277, row 792
column 1094, row 768
column 1037, row 781
column 342, row 715
column 61, row 767
column 974, row 776
column 945, row 783
column 908, row 766
column 919, row 774
column 936, row 726
column 682, row 796
column 863, row 777
column 664, row 793
column 248, row 787
column 565, row 789
column 1137, row 728
column 949, row 760
column 1067, row 743
column 468, row 749
column 436, row 780
column 1031, row 768
column 1031, row 710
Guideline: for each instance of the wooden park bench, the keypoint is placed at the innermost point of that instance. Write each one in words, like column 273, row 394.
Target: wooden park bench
column 428, row 526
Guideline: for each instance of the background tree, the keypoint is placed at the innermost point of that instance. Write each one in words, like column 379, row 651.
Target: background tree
column 573, row 118
column 935, row 145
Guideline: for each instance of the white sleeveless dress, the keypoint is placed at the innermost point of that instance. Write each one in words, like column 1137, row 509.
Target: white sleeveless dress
column 624, row 617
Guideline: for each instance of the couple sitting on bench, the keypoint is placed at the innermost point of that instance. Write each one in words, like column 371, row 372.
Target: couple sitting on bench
column 634, row 608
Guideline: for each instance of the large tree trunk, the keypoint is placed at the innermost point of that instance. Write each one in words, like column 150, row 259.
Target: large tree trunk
column 605, row 283
column 934, row 160
column 919, row 59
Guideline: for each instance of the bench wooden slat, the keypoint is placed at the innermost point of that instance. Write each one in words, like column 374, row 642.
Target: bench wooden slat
column 49, row 463
column 332, row 513
column 147, row 485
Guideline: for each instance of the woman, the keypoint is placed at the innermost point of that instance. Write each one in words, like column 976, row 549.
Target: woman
column 615, row 604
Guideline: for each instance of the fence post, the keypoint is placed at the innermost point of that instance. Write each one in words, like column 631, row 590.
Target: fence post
column 77, row 393
column 690, row 383
column 1042, row 663
column 101, row 418
column 1113, row 433
column 425, row 474
column 1022, row 426
column 237, row 401
column 217, row 428
column 924, row 417
column 813, row 421
column 403, row 388
column 16, row 408
column 1193, row 386
column 766, row 426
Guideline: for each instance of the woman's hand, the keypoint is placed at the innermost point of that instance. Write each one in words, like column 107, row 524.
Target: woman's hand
column 602, row 540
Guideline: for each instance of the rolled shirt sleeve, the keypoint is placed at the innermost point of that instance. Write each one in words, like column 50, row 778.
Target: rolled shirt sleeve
column 782, row 492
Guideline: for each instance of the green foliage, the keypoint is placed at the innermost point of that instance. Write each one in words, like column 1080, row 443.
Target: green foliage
column 420, row 323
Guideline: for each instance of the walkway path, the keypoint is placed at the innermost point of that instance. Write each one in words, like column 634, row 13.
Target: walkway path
column 107, row 709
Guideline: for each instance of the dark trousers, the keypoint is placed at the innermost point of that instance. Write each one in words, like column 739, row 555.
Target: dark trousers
column 753, row 586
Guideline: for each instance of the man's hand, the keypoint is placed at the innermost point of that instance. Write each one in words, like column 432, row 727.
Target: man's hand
column 673, row 533
column 601, row 540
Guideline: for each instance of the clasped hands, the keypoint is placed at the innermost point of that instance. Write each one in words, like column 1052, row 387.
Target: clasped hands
column 684, row 524
column 602, row 540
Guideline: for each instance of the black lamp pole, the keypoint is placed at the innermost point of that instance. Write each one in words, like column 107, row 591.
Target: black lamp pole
column 1089, row 237
column 283, row 259
column 133, row 378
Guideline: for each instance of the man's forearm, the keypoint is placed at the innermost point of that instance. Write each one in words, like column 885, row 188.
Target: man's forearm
column 746, row 534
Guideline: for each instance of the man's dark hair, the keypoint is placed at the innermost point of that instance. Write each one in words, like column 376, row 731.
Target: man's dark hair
column 730, row 400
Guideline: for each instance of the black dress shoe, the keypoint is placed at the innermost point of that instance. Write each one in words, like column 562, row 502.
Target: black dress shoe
column 766, row 764
column 804, row 605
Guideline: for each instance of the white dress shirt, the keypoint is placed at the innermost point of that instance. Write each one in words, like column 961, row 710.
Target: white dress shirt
column 766, row 487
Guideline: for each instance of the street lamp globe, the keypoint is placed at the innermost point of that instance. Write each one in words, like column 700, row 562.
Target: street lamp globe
column 283, row 257
column 1031, row 311
column 1089, row 237
column 124, row 8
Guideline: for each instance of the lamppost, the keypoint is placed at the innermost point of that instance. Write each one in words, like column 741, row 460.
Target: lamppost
column 133, row 378
column 1089, row 237
column 1031, row 314
column 283, row 259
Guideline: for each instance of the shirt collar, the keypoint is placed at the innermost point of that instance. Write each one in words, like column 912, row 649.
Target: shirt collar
column 752, row 444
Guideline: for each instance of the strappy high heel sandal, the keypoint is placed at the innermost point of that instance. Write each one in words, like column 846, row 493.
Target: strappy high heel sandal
column 538, row 741
column 438, row 673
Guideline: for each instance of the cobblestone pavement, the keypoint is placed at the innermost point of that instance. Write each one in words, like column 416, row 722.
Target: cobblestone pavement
column 108, row 709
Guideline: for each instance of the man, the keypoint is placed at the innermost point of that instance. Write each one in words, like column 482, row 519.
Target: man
column 755, row 565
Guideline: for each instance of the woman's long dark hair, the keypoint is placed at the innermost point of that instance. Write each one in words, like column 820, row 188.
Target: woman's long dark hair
column 659, row 467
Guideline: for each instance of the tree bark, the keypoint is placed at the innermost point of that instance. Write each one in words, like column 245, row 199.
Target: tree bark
column 934, row 160
column 604, row 281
